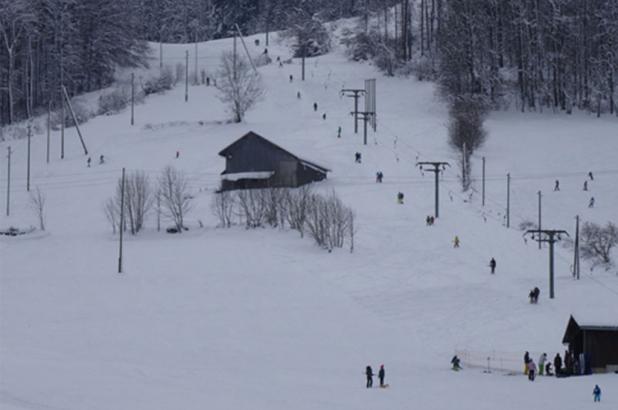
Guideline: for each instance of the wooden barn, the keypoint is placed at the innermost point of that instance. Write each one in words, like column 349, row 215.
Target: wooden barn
column 254, row 162
column 595, row 341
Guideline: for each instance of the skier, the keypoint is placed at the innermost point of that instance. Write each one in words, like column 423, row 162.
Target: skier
column 526, row 361
column 428, row 220
column 596, row 393
column 357, row 157
column 298, row 95
column 535, row 294
column 400, row 198
column 101, row 160
column 557, row 186
column 492, row 265
column 381, row 374
column 177, row 154
column 591, row 176
column 591, row 203
column 558, row 364
column 585, row 185
column 369, row 374
column 207, row 81
column 455, row 362
column 291, row 78
column 315, row 106
column 531, row 370
column 324, row 116
column 379, row 177
column 456, row 242
column 88, row 161
column 548, row 369
column 339, row 132
column 542, row 360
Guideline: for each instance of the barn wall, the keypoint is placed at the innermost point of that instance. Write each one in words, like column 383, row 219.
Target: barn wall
column 603, row 348
column 253, row 155
column 307, row 175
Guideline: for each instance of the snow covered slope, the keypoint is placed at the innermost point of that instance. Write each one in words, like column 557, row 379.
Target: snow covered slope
column 237, row 319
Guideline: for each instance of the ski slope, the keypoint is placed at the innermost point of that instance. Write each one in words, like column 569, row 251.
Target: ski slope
column 236, row 319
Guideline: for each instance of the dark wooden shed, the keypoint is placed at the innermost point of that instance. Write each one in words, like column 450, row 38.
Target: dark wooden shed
column 596, row 340
column 254, row 162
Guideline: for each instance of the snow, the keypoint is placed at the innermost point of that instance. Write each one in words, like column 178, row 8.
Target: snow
column 236, row 319
column 247, row 175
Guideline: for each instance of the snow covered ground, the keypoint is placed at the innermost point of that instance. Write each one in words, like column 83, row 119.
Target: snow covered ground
column 236, row 319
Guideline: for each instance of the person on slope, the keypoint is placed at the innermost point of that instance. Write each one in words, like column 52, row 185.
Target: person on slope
column 558, row 364
column 456, row 242
column 381, row 374
column 531, row 370
column 596, row 393
column 369, row 374
column 455, row 362
column 492, row 265
column 526, row 361
column 542, row 360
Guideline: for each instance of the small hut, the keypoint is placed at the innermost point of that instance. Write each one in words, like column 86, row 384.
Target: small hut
column 254, row 162
column 594, row 341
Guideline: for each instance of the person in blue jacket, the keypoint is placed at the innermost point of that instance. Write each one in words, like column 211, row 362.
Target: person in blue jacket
column 596, row 393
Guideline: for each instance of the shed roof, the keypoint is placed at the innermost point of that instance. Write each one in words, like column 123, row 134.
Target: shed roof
column 227, row 150
column 590, row 324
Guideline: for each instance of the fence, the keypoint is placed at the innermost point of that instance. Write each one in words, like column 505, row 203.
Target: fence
column 494, row 361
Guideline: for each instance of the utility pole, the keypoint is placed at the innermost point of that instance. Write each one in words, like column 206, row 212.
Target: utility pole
column 242, row 41
column 576, row 253
column 121, row 222
column 483, row 196
column 48, row 128
column 540, row 226
column 186, row 75
column 66, row 95
column 437, row 167
column 508, row 200
column 160, row 55
column 195, row 79
column 158, row 211
column 234, row 57
column 62, row 115
column 132, row 98
column 365, row 116
column 8, row 182
column 28, row 159
column 356, row 94
column 550, row 236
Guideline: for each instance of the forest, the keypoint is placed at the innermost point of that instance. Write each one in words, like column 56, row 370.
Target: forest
column 556, row 54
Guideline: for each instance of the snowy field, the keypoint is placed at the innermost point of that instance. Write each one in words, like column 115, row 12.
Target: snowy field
column 237, row 319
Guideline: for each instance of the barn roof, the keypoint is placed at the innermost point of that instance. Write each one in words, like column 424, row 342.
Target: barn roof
column 603, row 324
column 230, row 148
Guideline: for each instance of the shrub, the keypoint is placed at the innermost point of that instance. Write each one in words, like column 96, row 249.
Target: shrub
column 597, row 243
column 160, row 83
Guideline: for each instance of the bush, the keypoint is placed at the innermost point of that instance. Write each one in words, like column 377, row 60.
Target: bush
column 597, row 243
column 82, row 114
column 327, row 220
column 159, row 84
column 312, row 38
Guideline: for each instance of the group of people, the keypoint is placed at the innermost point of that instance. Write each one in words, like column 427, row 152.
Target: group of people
column 531, row 369
column 101, row 161
column 585, row 188
column 430, row 220
column 570, row 366
column 381, row 374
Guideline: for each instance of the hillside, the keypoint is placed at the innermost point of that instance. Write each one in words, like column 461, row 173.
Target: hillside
column 239, row 318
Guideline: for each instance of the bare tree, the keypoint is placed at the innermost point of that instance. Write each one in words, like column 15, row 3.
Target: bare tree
column 223, row 208
column 37, row 202
column 297, row 207
column 175, row 195
column 597, row 243
column 240, row 87
column 112, row 213
column 139, row 199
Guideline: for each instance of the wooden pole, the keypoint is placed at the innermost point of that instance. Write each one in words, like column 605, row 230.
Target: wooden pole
column 81, row 139
column 186, row 75
column 62, row 115
column 132, row 98
column 48, row 128
column 28, row 158
column 540, row 226
column 8, row 182
column 483, row 182
column 121, row 222
column 508, row 200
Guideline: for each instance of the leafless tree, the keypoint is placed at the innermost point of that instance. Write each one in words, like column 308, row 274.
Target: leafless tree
column 223, row 208
column 37, row 202
column 240, row 87
column 597, row 243
column 175, row 195
column 112, row 213
column 251, row 207
column 297, row 205
column 138, row 199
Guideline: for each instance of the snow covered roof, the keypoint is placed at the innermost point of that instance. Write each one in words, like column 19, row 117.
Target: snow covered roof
column 247, row 175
